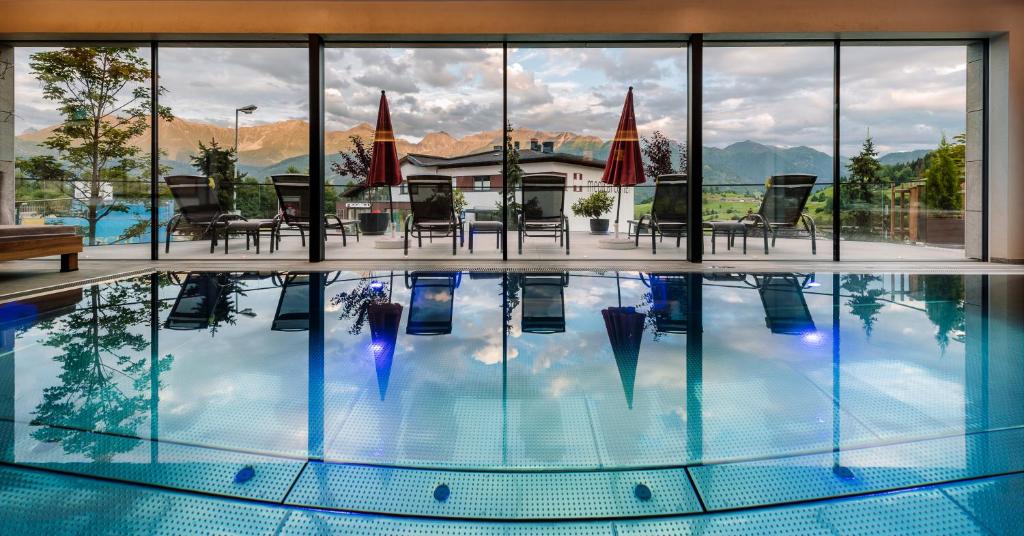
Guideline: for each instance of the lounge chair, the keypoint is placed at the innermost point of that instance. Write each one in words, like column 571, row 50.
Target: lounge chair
column 668, row 211
column 19, row 242
column 292, row 312
column 294, row 210
column 785, row 307
column 669, row 301
column 782, row 208
column 433, row 210
column 197, row 302
column 542, row 212
column 199, row 209
column 432, row 302
column 543, row 302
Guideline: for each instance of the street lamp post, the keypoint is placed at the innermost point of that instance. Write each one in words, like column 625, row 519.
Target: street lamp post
column 234, row 186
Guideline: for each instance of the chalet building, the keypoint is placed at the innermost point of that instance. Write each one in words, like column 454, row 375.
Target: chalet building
column 479, row 177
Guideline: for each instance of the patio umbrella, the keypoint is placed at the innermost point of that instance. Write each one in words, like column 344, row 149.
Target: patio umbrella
column 384, row 169
column 625, row 329
column 384, row 319
column 625, row 163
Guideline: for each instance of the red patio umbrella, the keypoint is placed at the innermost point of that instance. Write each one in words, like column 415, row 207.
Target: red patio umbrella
column 625, row 163
column 625, row 329
column 384, row 168
column 384, row 320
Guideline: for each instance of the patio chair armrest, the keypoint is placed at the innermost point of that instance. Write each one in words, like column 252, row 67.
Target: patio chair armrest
column 408, row 221
column 808, row 222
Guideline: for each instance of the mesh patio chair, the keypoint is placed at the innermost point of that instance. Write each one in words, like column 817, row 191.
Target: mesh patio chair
column 668, row 210
column 197, row 301
column 199, row 210
column 785, row 307
column 669, row 301
column 543, row 301
column 294, row 210
column 542, row 212
column 433, row 210
column 782, row 209
column 432, row 302
column 292, row 313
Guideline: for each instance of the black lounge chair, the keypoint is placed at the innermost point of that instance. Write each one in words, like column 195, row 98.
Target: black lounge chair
column 294, row 210
column 785, row 308
column 782, row 208
column 292, row 312
column 668, row 211
column 199, row 210
column 197, row 301
column 433, row 210
column 669, row 301
column 432, row 302
column 542, row 212
column 543, row 302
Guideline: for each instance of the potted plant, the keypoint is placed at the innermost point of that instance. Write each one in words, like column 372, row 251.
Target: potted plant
column 594, row 206
column 374, row 222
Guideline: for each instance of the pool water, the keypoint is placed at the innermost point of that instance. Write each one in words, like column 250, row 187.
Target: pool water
column 571, row 397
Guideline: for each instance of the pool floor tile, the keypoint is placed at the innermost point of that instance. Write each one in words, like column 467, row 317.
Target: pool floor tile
column 996, row 503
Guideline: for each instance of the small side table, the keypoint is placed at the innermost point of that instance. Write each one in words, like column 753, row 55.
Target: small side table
column 486, row 227
column 729, row 229
column 252, row 230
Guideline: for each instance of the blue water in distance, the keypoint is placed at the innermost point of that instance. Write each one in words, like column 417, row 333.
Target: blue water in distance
column 112, row 226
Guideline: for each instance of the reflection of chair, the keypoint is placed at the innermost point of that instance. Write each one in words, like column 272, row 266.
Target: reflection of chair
column 292, row 312
column 669, row 301
column 195, row 306
column 433, row 210
column 432, row 302
column 782, row 208
column 294, row 209
column 543, row 208
column 668, row 210
column 199, row 210
column 785, row 308
column 544, row 302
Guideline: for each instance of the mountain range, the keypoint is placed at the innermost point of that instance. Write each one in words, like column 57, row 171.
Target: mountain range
column 272, row 148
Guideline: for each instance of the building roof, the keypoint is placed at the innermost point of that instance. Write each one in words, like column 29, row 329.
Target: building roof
column 490, row 158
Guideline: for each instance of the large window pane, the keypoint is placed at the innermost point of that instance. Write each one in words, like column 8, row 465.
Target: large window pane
column 768, row 150
column 564, row 107
column 81, row 122
column 257, row 96
column 904, row 145
column 445, row 108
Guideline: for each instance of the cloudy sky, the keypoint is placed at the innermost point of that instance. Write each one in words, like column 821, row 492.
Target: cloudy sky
column 907, row 96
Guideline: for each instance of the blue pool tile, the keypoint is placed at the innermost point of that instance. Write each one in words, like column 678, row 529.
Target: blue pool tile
column 817, row 476
column 995, row 503
column 480, row 495
column 174, row 466
column 36, row 502
column 306, row 522
column 918, row 512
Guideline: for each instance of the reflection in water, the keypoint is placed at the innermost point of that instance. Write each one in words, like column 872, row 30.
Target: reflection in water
column 720, row 377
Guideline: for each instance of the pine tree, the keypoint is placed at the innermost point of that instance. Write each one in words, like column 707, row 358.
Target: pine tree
column 512, row 180
column 218, row 163
column 943, row 179
column 858, row 189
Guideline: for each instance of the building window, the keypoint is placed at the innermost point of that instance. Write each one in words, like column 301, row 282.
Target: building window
column 481, row 183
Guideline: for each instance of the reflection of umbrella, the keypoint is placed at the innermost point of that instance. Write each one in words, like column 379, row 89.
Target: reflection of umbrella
column 384, row 169
column 625, row 163
column 384, row 320
column 625, row 329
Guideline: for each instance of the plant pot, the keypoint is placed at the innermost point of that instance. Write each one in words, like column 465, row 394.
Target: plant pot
column 373, row 223
column 599, row 226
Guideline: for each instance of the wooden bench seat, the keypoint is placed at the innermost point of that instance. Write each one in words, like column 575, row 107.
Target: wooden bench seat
column 19, row 242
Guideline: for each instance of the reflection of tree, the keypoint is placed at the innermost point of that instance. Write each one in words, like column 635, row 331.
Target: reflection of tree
column 104, row 380
column 944, row 305
column 354, row 304
column 863, row 301
column 513, row 284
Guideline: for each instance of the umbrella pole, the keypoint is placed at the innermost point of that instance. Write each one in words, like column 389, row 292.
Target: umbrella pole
column 391, row 211
column 618, row 207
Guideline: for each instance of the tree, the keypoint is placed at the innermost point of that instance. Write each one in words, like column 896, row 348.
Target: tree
column 513, row 179
column 863, row 301
column 355, row 304
column 355, row 164
column 944, row 305
column 104, row 95
column 218, row 163
column 857, row 193
column 657, row 152
column 105, row 383
column 944, row 179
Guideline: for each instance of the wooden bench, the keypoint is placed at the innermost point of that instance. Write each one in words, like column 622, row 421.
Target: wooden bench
column 19, row 242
